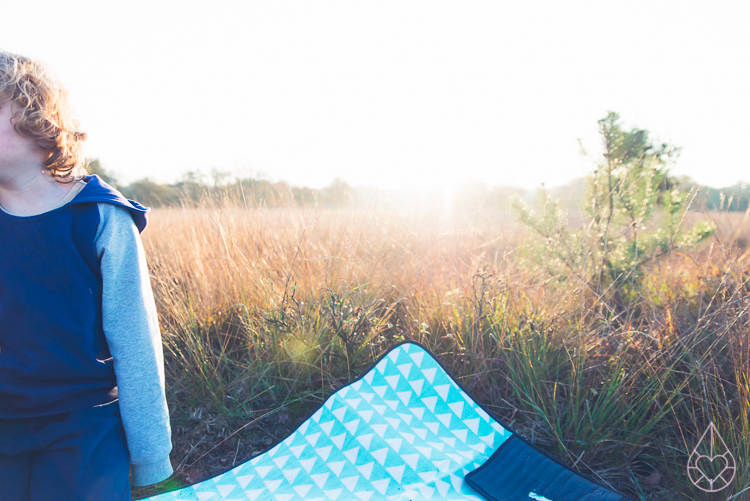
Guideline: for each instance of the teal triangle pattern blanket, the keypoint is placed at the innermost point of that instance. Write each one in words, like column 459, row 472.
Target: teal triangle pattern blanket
column 403, row 431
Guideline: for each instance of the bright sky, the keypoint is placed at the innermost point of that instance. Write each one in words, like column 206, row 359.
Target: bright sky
column 394, row 93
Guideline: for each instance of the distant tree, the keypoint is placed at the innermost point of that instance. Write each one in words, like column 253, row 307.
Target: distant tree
column 337, row 194
column 152, row 194
column 94, row 166
column 625, row 188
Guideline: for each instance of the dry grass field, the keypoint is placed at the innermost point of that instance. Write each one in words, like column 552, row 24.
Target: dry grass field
column 265, row 312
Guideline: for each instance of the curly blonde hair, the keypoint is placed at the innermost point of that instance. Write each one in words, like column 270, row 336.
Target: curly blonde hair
column 44, row 114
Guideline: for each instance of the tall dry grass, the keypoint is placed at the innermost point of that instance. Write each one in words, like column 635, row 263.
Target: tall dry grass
column 268, row 311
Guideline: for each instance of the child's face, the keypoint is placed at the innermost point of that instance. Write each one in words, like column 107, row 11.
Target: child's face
column 17, row 152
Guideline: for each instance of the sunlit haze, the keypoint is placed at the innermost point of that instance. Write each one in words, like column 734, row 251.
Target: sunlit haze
column 394, row 94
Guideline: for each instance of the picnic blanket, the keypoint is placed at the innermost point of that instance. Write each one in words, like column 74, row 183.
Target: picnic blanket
column 404, row 430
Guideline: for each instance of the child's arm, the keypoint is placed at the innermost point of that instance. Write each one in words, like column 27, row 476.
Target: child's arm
column 131, row 327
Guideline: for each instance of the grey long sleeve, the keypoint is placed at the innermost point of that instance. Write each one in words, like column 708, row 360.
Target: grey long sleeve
column 132, row 331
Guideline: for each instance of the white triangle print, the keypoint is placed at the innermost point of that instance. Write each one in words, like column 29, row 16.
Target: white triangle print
column 303, row 427
column 204, row 496
column 417, row 411
column 356, row 385
column 442, row 487
column 367, row 415
column 313, row 438
column 426, row 451
column 428, row 476
column 297, row 450
column 461, row 434
column 366, row 469
column 498, row 428
column 379, row 429
column 290, row 475
column 307, row 464
column 369, row 376
column 426, row 491
column 430, row 402
column 421, row 432
column 417, row 386
column 405, row 369
column 333, row 494
column 351, row 426
column 364, row 496
column 280, row 460
column 429, row 374
column 263, row 470
column 338, row 440
column 380, row 390
column 350, row 482
column 272, row 485
column 351, row 455
column 393, row 355
column 253, row 494
column 380, row 455
column 336, row 467
column 365, row 440
column 457, row 482
column 327, row 427
column 405, row 396
column 353, row 402
column 380, row 408
column 411, row 460
column 318, row 415
column 408, row 436
column 482, row 414
column 320, row 479
column 442, row 390
column 480, row 447
column 381, row 485
column 282, row 497
column 395, row 443
column 437, row 445
column 393, row 380
column 302, row 490
column 405, row 417
column 367, row 396
column 340, row 413
column 417, row 357
column 488, row 439
column 393, row 422
column 434, row 427
column 244, row 480
column 449, row 440
column 445, row 419
column 455, row 457
column 382, row 365
column 397, row 472
column 467, row 454
column 393, row 404
column 324, row 452
column 442, row 466
column 457, row 408
column 473, row 425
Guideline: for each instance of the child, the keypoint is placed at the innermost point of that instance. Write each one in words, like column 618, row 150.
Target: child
column 81, row 365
